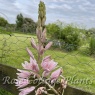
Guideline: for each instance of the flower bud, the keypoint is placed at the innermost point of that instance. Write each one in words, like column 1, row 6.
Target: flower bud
column 41, row 90
column 63, row 83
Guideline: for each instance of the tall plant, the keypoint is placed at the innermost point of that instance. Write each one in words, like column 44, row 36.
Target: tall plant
column 44, row 70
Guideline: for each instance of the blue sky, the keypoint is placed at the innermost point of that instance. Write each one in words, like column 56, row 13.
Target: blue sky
column 80, row 12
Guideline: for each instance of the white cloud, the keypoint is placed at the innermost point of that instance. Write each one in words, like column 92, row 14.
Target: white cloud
column 82, row 8
column 63, row 6
column 67, row 6
column 78, row 11
column 87, row 3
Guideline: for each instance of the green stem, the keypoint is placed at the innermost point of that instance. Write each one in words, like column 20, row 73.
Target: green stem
column 50, row 87
column 63, row 92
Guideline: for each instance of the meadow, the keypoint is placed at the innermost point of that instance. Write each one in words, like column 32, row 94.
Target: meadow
column 78, row 66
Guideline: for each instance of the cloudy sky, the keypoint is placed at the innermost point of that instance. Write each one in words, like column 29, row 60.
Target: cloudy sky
column 69, row 11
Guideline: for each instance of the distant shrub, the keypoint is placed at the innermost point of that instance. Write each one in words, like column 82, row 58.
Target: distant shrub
column 92, row 45
column 69, row 36
column 57, row 44
column 3, row 22
column 4, row 31
column 53, row 29
column 91, row 32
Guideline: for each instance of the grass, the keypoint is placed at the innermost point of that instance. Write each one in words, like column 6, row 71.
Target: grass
column 78, row 67
column 3, row 92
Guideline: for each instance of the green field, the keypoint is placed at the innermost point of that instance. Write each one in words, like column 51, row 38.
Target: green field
column 78, row 66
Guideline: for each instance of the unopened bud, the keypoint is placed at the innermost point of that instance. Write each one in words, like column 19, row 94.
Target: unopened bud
column 41, row 90
column 63, row 83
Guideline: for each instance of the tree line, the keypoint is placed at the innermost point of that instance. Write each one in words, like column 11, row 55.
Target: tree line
column 23, row 24
column 69, row 37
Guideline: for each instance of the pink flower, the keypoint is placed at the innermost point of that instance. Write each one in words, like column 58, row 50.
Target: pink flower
column 21, row 82
column 27, row 65
column 47, row 59
column 55, row 75
column 23, row 74
column 41, row 49
column 31, row 66
column 39, row 33
column 27, row 90
column 45, row 73
column 34, row 44
column 48, row 45
column 48, row 65
column 34, row 65
column 30, row 53
column 43, row 39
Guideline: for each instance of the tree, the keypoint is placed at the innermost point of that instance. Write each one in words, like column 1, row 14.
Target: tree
column 28, row 25
column 3, row 22
column 25, row 24
column 19, row 20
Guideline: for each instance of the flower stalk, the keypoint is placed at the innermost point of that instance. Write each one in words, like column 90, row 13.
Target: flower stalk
column 42, row 69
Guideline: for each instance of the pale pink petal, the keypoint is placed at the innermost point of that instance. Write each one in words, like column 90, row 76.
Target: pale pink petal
column 48, row 64
column 34, row 65
column 30, row 53
column 52, row 65
column 34, row 44
column 23, row 73
column 43, row 36
column 45, row 61
column 32, row 60
column 20, row 83
column 27, row 65
column 27, row 90
column 47, row 58
column 40, row 49
column 39, row 33
column 55, row 75
column 48, row 45
column 45, row 73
